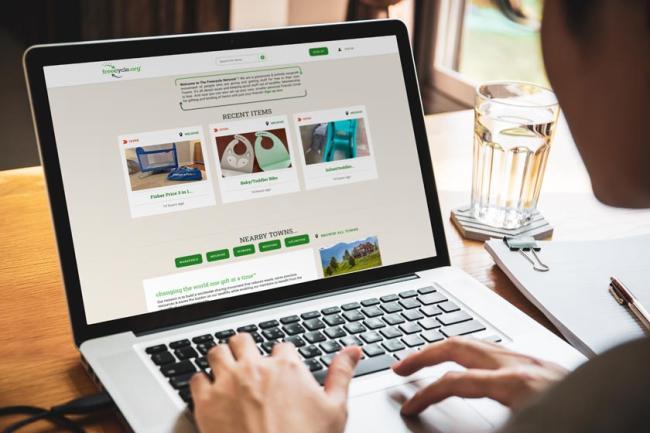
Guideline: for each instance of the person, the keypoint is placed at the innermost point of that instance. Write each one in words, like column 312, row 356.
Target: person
column 597, row 56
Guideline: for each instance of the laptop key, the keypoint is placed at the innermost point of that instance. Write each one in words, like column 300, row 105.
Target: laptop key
column 289, row 319
column 408, row 294
column 273, row 333
column 296, row 341
column 456, row 317
column 351, row 340
column 412, row 340
column 432, row 336
column 370, row 337
column 225, row 334
column 292, row 329
column 409, row 303
column 313, row 364
column 365, row 366
column 429, row 323
column 177, row 368
column 432, row 298
column 426, row 290
column 330, row 310
column 205, row 348
column 179, row 343
column 202, row 363
column 391, row 307
column 389, row 298
column 350, row 306
column 448, row 307
column 185, row 395
column 327, row 359
column 394, row 319
column 353, row 315
column 156, row 349
column 370, row 302
column 310, row 315
column 404, row 354
column 463, row 328
column 410, row 328
column 373, row 311
column 393, row 345
column 336, row 332
column 268, row 324
column 391, row 332
column 314, row 324
column 330, row 346
column 257, row 338
column 373, row 350
column 333, row 320
column 247, row 328
column 354, row 328
column 180, row 381
column 431, row 310
column 267, row 346
column 163, row 358
column 374, row 323
column 412, row 315
column 309, row 352
column 186, row 352
column 314, row 337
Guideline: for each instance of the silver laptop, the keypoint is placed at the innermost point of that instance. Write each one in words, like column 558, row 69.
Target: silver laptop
column 274, row 182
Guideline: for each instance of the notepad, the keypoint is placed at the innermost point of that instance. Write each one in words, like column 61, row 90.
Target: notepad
column 574, row 293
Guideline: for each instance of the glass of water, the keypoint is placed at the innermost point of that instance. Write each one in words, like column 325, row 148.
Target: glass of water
column 514, row 123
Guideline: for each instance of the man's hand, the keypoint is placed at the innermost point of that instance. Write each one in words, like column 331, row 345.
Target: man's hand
column 275, row 394
column 492, row 371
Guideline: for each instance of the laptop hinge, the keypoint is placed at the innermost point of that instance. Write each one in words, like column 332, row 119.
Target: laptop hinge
column 342, row 290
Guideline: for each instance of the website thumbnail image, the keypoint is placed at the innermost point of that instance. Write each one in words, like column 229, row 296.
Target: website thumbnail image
column 165, row 171
column 335, row 146
column 254, row 158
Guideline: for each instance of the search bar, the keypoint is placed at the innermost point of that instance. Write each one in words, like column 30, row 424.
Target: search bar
column 240, row 60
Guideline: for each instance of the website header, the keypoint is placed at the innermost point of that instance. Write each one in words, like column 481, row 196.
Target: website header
column 224, row 60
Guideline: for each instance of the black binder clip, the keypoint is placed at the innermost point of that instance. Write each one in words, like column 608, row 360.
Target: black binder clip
column 524, row 245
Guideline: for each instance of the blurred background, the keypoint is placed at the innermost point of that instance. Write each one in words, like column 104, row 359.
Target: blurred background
column 456, row 43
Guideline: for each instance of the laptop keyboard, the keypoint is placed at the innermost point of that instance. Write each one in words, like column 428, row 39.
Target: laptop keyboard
column 387, row 329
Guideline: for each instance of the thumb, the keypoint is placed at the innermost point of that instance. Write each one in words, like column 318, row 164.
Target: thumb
column 340, row 373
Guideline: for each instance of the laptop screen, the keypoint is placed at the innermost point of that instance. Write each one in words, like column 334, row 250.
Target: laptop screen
column 196, row 177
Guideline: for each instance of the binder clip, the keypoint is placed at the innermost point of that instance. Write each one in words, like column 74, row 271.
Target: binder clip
column 524, row 245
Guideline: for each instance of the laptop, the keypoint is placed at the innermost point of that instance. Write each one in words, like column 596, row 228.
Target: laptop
column 275, row 182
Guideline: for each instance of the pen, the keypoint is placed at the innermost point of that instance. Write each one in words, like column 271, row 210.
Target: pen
column 624, row 297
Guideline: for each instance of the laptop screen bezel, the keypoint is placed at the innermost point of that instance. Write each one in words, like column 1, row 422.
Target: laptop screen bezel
column 40, row 56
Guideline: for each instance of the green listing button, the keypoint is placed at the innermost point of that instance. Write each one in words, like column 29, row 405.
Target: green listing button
column 243, row 250
column 194, row 259
column 318, row 51
column 213, row 256
column 269, row 245
column 296, row 240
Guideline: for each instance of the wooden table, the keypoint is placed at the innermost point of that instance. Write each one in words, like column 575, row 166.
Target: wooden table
column 39, row 364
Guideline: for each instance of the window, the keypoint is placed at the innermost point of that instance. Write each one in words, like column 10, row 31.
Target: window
column 485, row 40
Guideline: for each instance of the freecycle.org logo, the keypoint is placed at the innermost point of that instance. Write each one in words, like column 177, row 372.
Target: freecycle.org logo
column 117, row 72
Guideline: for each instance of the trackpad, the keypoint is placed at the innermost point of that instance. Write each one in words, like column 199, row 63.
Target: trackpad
column 379, row 412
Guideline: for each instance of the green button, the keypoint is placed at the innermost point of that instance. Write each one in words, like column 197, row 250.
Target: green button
column 194, row 259
column 269, row 245
column 296, row 240
column 213, row 256
column 244, row 250
column 318, row 51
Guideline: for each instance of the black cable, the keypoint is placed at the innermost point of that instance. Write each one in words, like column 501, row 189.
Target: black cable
column 57, row 414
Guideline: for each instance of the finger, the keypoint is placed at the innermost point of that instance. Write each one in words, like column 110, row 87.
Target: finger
column 467, row 352
column 199, row 386
column 284, row 350
column 219, row 358
column 340, row 373
column 243, row 346
column 469, row 383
